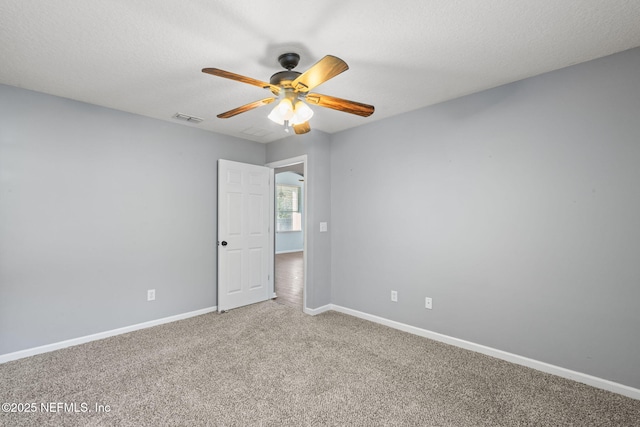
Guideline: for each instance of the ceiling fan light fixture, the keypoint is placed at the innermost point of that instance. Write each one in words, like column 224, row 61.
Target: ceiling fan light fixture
column 275, row 117
column 302, row 113
column 282, row 112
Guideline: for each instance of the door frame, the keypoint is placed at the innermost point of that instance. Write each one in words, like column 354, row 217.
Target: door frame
column 280, row 164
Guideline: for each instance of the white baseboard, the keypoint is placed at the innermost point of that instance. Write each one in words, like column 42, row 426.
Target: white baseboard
column 601, row 383
column 88, row 338
column 614, row 387
column 314, row 311
column 289, row 252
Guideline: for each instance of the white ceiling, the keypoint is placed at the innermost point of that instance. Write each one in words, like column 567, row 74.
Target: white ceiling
column 146, row 56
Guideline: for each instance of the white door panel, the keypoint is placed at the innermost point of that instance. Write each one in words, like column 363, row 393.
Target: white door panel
column 245, row 241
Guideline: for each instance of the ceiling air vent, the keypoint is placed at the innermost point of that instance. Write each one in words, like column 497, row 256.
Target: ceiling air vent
column 187, row 118
column 254, row 131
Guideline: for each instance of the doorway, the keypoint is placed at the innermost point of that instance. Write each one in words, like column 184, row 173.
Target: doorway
column 290, row 232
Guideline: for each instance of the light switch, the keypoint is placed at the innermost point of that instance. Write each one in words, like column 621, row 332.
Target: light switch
column 323, row 227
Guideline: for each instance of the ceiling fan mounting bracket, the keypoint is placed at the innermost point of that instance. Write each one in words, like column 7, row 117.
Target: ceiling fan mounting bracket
column 289, row 61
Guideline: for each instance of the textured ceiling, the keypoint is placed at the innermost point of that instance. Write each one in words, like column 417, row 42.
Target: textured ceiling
column 145, row 56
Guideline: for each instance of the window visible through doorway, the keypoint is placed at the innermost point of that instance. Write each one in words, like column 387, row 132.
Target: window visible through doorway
column 288, row 213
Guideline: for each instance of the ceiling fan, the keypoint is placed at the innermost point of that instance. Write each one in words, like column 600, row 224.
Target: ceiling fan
column 291, row 88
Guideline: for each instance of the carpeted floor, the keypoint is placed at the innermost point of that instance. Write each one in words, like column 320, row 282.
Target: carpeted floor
column 270, row 365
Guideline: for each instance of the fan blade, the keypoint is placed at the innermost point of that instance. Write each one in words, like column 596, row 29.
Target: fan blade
column 245, row 108
column 302, row 128
column 328, row 67
column 339, row 104
column 243, row 79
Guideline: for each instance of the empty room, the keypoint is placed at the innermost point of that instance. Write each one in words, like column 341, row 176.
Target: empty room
column 279, row 213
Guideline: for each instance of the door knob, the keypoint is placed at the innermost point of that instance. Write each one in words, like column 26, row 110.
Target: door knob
column 224, row 243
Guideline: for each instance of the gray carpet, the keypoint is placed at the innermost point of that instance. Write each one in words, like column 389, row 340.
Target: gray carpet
column 270, row 365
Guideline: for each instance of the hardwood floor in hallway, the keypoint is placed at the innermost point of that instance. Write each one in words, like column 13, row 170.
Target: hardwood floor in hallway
column 289, row 279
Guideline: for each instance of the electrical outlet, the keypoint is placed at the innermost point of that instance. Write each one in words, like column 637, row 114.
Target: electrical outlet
column 151, row 294
column 394, row 296
column 428, row 303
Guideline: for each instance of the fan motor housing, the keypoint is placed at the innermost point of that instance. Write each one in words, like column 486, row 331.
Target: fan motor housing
column 284, row 78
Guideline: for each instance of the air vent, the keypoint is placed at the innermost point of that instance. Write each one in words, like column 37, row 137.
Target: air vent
column 254, row 131
column 187, row 118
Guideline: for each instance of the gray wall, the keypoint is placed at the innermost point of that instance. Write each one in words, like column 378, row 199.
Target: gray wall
column 96, row 207
column 516, row 209
column 316, row 145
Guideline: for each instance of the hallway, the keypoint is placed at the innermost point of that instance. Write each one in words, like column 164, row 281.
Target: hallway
column 289, row 278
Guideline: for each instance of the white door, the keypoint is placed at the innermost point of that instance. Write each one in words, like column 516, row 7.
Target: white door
column 245, row 242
